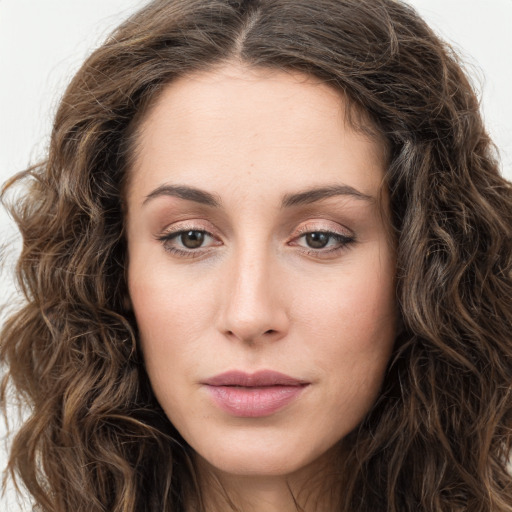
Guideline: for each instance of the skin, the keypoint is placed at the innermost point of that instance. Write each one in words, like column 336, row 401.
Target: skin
column 255, row 295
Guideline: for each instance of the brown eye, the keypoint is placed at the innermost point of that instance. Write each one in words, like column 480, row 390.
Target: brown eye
column 323, row 243
column 317, row 240
column 188, row 243
column 192, row 239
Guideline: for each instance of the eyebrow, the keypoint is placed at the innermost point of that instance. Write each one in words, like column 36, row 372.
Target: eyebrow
column 184, row 192
column 289, row 200
column 317, row 194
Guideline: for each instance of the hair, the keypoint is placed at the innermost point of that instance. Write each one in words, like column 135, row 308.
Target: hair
column 439, row 436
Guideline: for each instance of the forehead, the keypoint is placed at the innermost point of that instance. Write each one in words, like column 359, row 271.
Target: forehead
column 234, row 122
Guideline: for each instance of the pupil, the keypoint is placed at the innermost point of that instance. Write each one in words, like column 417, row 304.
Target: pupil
column 192, row 239
column 317, row 240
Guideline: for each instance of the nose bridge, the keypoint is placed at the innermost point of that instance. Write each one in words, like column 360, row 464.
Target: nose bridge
column 253, row 306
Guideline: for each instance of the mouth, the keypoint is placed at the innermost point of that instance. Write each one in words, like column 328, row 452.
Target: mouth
column 253, row 395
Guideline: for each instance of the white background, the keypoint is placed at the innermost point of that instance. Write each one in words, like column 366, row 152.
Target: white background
column 43, row 42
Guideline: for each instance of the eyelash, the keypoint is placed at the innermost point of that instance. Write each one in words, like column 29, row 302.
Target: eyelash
column 343, row 242
column 186, row 253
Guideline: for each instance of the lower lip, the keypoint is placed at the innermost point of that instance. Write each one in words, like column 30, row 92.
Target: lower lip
column 253, row 402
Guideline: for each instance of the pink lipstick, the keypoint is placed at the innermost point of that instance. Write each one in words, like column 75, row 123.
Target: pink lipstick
column 253, row 395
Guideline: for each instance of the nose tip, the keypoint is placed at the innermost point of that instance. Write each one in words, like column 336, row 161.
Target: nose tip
column 252, row 318
column 249, row 335
column 254, row 308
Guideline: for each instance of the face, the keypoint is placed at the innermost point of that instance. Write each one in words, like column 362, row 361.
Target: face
column 260, row 269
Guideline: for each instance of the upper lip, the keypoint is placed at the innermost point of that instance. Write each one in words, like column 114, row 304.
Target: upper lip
column 262, row 378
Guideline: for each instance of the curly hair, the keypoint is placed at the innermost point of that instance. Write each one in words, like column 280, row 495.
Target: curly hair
column 439, row 436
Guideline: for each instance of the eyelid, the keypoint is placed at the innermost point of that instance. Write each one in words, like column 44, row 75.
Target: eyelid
column 189, row 225
column 167, row 236
column 343, row 237
column 323, row 226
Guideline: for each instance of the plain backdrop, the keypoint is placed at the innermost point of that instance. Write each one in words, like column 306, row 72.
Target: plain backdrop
column 43, row 42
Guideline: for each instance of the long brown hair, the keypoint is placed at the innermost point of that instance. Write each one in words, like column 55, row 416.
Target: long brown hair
column 438, row 438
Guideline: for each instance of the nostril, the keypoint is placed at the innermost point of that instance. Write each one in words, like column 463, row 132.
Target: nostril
column 252, row 336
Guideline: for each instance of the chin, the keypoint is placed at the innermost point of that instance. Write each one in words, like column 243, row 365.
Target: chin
column 249, row 463
column 262, row 454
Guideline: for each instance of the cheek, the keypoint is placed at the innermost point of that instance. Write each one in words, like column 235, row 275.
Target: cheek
column 171, row 314
column 169, row 322
column 165, row 300
column 352, row 310
column 351, row 324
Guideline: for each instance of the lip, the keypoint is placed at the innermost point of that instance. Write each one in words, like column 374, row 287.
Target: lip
column 253, row 395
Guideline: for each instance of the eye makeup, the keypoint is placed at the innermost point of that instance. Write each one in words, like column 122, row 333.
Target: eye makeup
column 313, row 239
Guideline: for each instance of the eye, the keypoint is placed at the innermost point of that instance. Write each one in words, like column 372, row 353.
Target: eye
column 324, row 239
column 187, row 242
column 321, row 242
column 192, row 239
column 317, row 239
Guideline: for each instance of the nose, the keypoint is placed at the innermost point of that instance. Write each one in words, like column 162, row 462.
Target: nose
column 254, row 308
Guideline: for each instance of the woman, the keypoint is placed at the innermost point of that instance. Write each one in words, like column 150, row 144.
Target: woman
column 267, row 266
